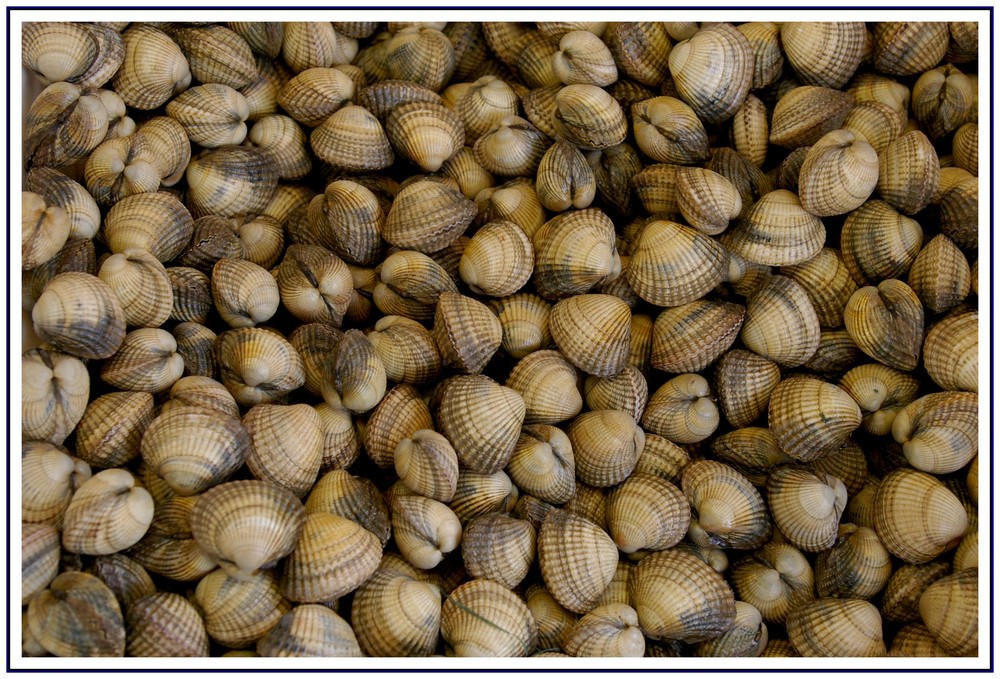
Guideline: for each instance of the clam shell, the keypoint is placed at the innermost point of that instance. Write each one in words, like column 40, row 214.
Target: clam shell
column 673, row 264
column 768, row 56
column 626, row 391
column 477, row 494
column 165, row 624
column 352, row 497
column 690, row 337
column 965, row 148
column 588, row 117
column 743, row 382
column 886, row 322
column 584, row 58
column 940, row 275
column 44, row 230
column 856, row 567
column 876, row 122
column 839, row 173
column 396, row 614
column 247, row 526
column 713, row 71
column 400, row 413
column 590, row 503
column 915, row 641
column 669, row 131
column 332, row 557
column 614, row 168
column 950, row 609
column 55, row 390
column 824, row 53
column 836, row 628
column 679, row 597
column 726, row 510
column 611, row 630
column 828, row 282
column 59, row 190
column 646, row 512
column 951, row 355
column 314, row 94
column 543, row 464
column 805, row 114
column 776, row 579
column 239, row 612
column 498, row 260
column 112, row 427
column 916, row 517
column 353, row 140
column 548, row 383
column 425, row 530
column 147, row 360
column 406, row 348
column 498, row 547
column 473, row 614
column 286, row 445
column 778, row 231
column 196, row 345
column 939, row 431
column 606, row 446
column 49, row 477
column 426, row 462
column 810, row 418
column 662, row 458
column 806, row 507
column 901, row 599
column 155, row 222
column 154, row 68
column 752, row 451
column 681, row 410
column 81, row 315
column 706, row 199
column 552, row 620
column 577, row 560
column 348, row 220
column 565, row 179
column 257, row 365
column 383, row 96
column 286, row 143
column 640, row 49
column 40, row 552
column 574, row 252
column 908, row 47
column 960, row 213
column 466, row 331
column 427, row 216
column 142, row 286
column 64, row 124
column 109, row 512
column 425, row 133
column 213, row 115
column 482, row 420
column 77, row 616
column 781, row 324
column 879, row 243
column 168, row 547
column 310, row 630
column 421, row 55
column 909, row 172
column 524, row 319
column 231, row 180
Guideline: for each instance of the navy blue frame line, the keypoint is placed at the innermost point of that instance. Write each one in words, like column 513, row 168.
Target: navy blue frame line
column 696, row 670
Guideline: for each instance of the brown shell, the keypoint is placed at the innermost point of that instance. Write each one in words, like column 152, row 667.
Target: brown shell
column 806, row 507
column 482, row 420
column 908, row 47
column 776, row 579
column 803, row 115
column 781, row 324
column 743, row 382
column 909, row 172
column 77, row 616
column 777, row 231
column 646, row 512
column 593, row 332
column 811, row 418
column 951, row 355
column 690, row 337
column 577, row 559
column 476, row 611
column 713, row 71
column 824, row 53
column 939, row 431
column 727, row 511
column 396, row 614
column 836, row 628
column 673, row 264
column 887, row 323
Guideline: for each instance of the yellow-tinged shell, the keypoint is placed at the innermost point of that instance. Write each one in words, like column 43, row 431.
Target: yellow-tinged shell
column 881, row 392
column 839, row 173
column 548, row 384
column 915, row 641
column 803, row 115
column 314, row 94
column 258, row 365
column 856, row 567
column 690, row 337
column 231, row 180
column 396, row 614
column 146, row 361
column 168, row 547
column 827, row 281
column 348, row 220
column 836, row 628
column 752, row 451
column 679, row 597
column 498, row 547
column 940, row 431
column 477, row 494
column 950, row 610
column 40, row 552
column 743, row 382
column 400, row 413
column 776, row 579
column 108, row 513
column 44, row 230
column 726, row 510
column 778, row 231
column 908, row 47
column 64, row 124
column 524, row 319
column 668, row 131
column 611, row 630
column 940, row 275
column 143, row 288
column 951, row 355
column 811, row 418
column 577, row 559
column 606, row 446
column 879, row 243
column 55, row 390
column 59, row 190
column 482, row 420
column 352, row 140
column 781, row 324
column 584, row 58
column 965, row 148
column 425, row 133
column 916, row 517
column 498, row 260
column 662, row 458
column 154, row 68
column 768, row 56
column 646, row 512
column 806, row 506
column 238, row 612
column 476, row 611
column 543, row 465
column 195, row 344
column 565, row 179
column 285, row 142
column 155, row 222
column 427, row 463
column 713, row 71
column 77, row 616
column 425, row 530
column 673, row 264
column 314, row 284
column 876, row 122
column 552, row 620
column 165, row 624
column 681, row 410
column 627, row 391
column 81, row 315
column 49, row 477
column 887, row 323
column 247, row 526
column 112, row 428
column 286, row 445
column 421, row 55
column 352, row 497
column 427, row 216
column 574, row 252
column 589, row 117
column 640, row 49
column 901, row 599
column 213, row 115
column 466, row 331
column 217, row 54
column 332, row 557
column 310, row 631
column 824, row 53
column 909, row 172
column 406, row 348
column 71, row 52
column 590, row 503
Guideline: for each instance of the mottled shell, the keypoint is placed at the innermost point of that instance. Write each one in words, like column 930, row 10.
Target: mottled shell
column 247, row 526
column 498, row 260
column 776, row 579
column 836, row 628
column 427, row 463
column 875, row 122
column 706, row 199
column 165, row 624
column 55, row 390
column 690, row 337
column 606, row 446
column 466, row 331
column 673, row 264
column 916, row 517
column 40, row 552
column 909, row 172
column 425, row 133
column 155, row 222
column 915, row 641
column 577, row 559
column 839, row 173
column 112, row 427
column 77, row 616
column 548, row 383
column 396, row 614
column 713, row 71
column 589, row 117
column 727, row 511
column 543, row 464
column 950, row 609
column 881, row 392
column 901, row 599
column 231, row 180
column 427, row 216
column 565, row 179
column 574, row 252
column 238, row 612
column 332, row 557
column 669, row 131
column 908, row 47
column 473, row 614
column 59, row 190
column 627, row 391
column 803, row 115
column 213, row 115
column 768, row 56
column 879, row 243
column 314, row 94
column 781, row 324
column 681, row 410
column 108, row 513
column 143, row 288
column 806, row 507
column 400, row 413
column 257, row 365
column 310, row 630
column 482, row 420
column 824, row 53
column 856, row 567
column 940, row 275
column 679, row 597
column 611, row 630
column 154, row 68
column 81, row 315
column 49, row 477
column 498, row 547
column 421, row 55
column 778, row 231
column 940, row 431
column 286, row 445
column 168, row 547
column 646, row 512
column 951, row 355
column 425, row 530
column 811, row 418
column 352, row 497
column 406, row 348
column 64, row 124
column 887, row 323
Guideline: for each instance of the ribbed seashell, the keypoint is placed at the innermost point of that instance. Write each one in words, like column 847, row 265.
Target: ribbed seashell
column 59, row 190
column 286, row 445
column 574, row 252
column 79, row 314
column 165, row 624
column 406, row 348
column 424, row 529
column 939, row 431
column 263, row 37
column 55, row 389
column 231, row 180
column 606, row 446
column 427, row 216
column 856, row 567
column 707, row 200
column 396, row 614
column 806, row 507
column 548, row 384
column 477, row 494
column 75, row 255
column 473, row 614
column 348, row 220
column 77, row 616
column 726, row 510
column 213, row 115
column 908, row 47
column 836, row 628
column 482, row 420
column 285, row 142
column 765, row 45
column 472, row 54
column 752, row 451
column 422, row 55
column 915, row 641
column 44, row 230
column 244, row 293
column 400, row 413
column 627, row 391
column 749, row 132
column 238, row 612
column 965, row 148
column 839, row 173
column 466, row 331
column 901, row 599
column 498, row 260
column 593, row 332
column 513, row 147
column 577, row 558
column 827, row 281
column 589, row 117
column 217, row 54
column 49, row 477
column 960, row 213
column 355, row 377
column 168, row 547
column 690, row 337
column 646, row 512
column 64, row 124
column 870, row 87
column 951, row 352
column 909, row 172
column 583, row 58
column 314, row 94
column 534, row 61
column 941, row 100
column 498, row 547
column 640, row 50
column 778, row 231
column 196, row 345
column 743, row 382
column 610, row 630
column 679, row 597
column 332, row 558
column 964, row 43
column 108, row 513
column 425, row 133
column 673, row 264
column 341, row 444
column 807, row 113
column 487, row 102
column 466, row 169
column 121, row 167
column 112, row 427
column 543, row 464
column 781, row 324
column 262, row 93
column 950, row 609
column 315, row 285
column 552, row 620
column 662, row 458
column 681, row 410
column 713, row 71
column 352, row 497
column 315, row 44
column 427, row 463
column 886, row 322
column 201, row 391
column 40, row 553
column 811, row 418
column 776, row 579
column 916, row 517
column 617, row 591
column 247, row 526
column 155, row 222
column 142, row 285
column 590, row 503
column 614, row 168
column 565, row 179
column 881, row 392
column 515, row 201
column 668, row 131
column 61, row 51
column 824, row 53
column 310, row 631
column 154, row 68
column 524, row 319
column 879, row 243
column 875, row 122
column 786, row 175
column 258, row 365
column 382, row 96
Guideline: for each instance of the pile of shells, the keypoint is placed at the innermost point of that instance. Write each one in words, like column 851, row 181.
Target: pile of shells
column 473, row 339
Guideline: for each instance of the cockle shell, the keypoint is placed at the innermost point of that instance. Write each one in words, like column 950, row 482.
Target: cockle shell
column 577, row 559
